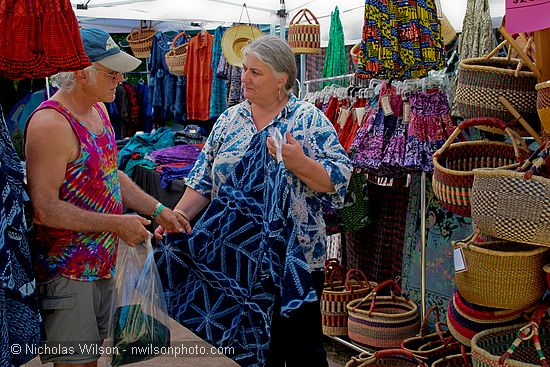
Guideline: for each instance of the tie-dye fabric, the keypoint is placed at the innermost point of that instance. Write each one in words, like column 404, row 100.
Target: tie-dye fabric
column 230, row 139
column 91, row 183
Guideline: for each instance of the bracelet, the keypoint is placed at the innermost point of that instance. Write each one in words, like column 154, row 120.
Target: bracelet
column 158, row 208
column 182, row 213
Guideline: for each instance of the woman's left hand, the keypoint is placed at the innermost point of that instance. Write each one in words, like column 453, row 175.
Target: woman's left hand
column 292, row 152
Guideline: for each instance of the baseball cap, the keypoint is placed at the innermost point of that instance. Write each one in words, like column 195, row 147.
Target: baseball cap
column 101, row 48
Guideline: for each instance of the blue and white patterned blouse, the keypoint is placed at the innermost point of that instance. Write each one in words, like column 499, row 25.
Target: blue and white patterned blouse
column 229, row 140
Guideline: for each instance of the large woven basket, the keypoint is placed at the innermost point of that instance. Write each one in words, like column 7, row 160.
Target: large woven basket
column 454, row 163
column 385, row 322
column 386, row 358
column 336, row 295
column 141, row 40
column 501, row 274
column 175, row 57
column 508, row 206
column 465, row 319
column 455, row 360
column 543, row 104
column 304, row 38
column 514, row 346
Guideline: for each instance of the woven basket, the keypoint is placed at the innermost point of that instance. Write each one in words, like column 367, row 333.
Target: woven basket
column 431, row 347
column 465, row 319
column 524, row 345
column 386, row 322
column 454, row 163
column 386, row 358
column 175, row 57
column 140, row 40
column 304, row 38
column 501, row 274
column 543, row 104
column 508, row 206
column 455, row 360
column 335, row 297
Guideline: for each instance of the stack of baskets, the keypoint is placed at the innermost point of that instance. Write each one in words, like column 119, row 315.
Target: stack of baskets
column 141, row 40
column 304, row 38
column 175, row 57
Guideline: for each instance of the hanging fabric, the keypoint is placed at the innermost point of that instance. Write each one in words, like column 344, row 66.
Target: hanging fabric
column 199, row 76
column 477, row 37
column 243, row 252
column 39, row 38
column 218, row 99
column 335, row 60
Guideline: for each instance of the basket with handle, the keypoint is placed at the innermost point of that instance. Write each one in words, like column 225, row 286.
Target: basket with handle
column 523, row 345
column 175, row 57
column 464, row 359
column 482, row 80
column 304, row 38
column 380, row 322
column 513, row 205
column 543, row 104
column 337, row 294
column 386, row 358
column 141, row 40
column 431, row 347
column 454, row 162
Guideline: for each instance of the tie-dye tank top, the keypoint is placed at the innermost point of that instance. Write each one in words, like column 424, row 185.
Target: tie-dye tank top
column 91, row 183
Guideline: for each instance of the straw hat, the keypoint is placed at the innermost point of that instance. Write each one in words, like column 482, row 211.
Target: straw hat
column 235, row 39
column 447, row 31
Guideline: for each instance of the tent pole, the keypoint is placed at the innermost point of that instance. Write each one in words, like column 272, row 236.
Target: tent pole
column 48, row 87
column 302, row 73
column 282, row 20
column 423, row 245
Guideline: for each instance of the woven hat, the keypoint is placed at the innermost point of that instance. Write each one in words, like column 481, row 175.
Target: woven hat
column 235, row 39
column 447, row 31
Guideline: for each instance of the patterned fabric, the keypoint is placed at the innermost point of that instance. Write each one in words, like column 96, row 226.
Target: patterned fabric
column 401, row 40
column 218, row 99
column 442, row 227
column 355, row 213
column 91, row 183
column 199, row 76
column 39, row 39
column 476, row 38
column 222, row 280
column 335, row 60
column 230, row 138
column 20, row 321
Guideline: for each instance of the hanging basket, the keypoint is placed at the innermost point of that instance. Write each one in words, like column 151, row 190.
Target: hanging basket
column 454, row 163
column 304, row 38
column 175, row 58
column 543, row 104
column 141, row 40
column 385, row 322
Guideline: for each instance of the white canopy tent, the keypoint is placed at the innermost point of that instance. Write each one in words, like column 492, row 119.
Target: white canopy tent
column 123, row 15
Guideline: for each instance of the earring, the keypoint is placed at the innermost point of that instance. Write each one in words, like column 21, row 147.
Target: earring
column 279, row 94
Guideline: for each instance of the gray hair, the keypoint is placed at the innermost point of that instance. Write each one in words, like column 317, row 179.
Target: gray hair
column 66, row 80
column 276, row 53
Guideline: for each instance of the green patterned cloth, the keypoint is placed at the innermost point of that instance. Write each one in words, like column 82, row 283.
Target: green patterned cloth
column 335, row 60
column 355, row 213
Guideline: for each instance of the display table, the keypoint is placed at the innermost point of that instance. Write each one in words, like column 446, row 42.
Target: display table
column 149, row 181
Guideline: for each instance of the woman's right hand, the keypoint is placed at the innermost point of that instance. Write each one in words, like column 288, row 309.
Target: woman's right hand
column 159, row 233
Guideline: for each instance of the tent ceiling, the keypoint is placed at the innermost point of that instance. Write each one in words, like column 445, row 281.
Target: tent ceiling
column 123, row 15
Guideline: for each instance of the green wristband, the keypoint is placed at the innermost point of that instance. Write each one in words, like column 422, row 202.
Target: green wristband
column 157, row 211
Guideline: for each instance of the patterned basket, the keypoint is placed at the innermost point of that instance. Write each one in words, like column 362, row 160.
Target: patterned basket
column 456, row 360
column 386, row 358
column 431, row 347
column 514, row 346
column 501, row 274
column 454, row 163
column 508, row 206
column 465, row 319
column 175, row 58
column 337, row 294
column 543, row 104
column 141, row 40
column 386, row 322
column 304, row 38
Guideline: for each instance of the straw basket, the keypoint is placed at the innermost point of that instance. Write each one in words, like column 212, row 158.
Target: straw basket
column 482, row 80
column 501, row 274
column 304, row 38
column 465, row 319
column 175, row 58
column 140, row 40
column 508, row 206
column 386, row 358
column 335, row 297
column 543, row 104
column 456, row 360
column 454, row 163
column 386, row 322
column 514, row 346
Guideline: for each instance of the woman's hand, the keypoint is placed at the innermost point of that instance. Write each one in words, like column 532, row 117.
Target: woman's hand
column 292, row 152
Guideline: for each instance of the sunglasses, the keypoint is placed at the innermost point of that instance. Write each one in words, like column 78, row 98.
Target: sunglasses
column 113, row 74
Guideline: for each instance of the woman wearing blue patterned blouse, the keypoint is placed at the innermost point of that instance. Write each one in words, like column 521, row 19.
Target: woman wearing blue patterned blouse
column 318, row 170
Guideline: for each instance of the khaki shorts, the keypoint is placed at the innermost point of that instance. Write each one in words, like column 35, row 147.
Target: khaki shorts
column 76, row 317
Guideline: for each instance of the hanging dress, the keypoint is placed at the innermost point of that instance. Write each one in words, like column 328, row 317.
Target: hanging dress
column 221, row 281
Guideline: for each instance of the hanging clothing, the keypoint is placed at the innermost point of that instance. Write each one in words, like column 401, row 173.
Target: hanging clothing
column 400, row 40
column 244, row 253
column 232, row 74
column 335, row 61
column 20, row 321
column 218, row 100
column 39, row 38
column 163, row 83
column 477, row 37
column 198, row 69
